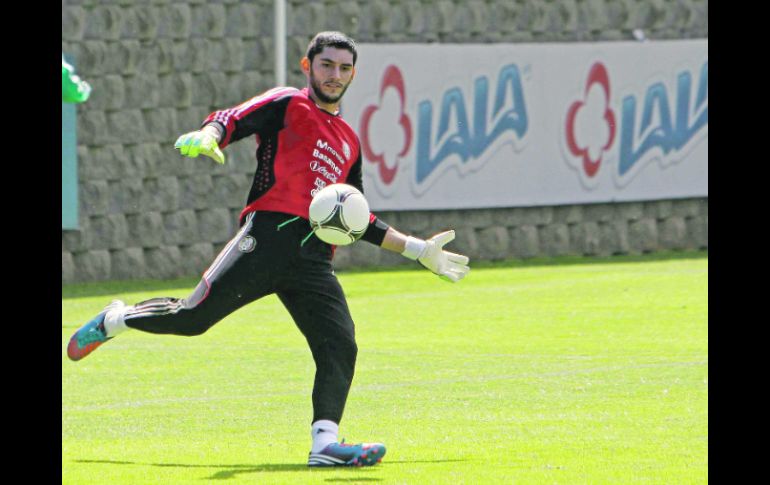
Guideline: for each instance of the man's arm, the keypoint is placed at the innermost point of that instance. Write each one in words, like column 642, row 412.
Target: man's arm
column 430, row 253
column 224, row 126
column 214, row 129
column 394, row 241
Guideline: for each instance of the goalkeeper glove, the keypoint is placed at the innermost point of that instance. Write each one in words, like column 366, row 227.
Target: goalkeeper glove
column 199, row 142
column 448, row 266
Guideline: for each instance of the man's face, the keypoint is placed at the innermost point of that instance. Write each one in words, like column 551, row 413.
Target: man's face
column 330, row 74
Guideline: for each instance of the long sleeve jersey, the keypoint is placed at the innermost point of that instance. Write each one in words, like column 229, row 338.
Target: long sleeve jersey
column 300, row 149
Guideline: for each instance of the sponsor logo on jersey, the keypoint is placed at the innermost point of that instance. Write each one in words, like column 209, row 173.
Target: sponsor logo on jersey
column 320, row 168
column 319, row 184
column 324, row 145
column 346, row 150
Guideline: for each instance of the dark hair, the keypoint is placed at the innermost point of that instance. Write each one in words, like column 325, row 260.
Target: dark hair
column 331, row 39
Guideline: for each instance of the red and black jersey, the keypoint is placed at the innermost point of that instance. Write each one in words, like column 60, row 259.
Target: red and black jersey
column 301, row 149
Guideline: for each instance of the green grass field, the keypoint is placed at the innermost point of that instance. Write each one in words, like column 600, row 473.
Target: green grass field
column 569, row 371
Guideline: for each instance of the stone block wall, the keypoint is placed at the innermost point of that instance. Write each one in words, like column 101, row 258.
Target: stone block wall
column 527, row 232
column 159, row 67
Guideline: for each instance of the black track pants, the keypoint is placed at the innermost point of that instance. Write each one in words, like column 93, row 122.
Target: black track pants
column 265, row 257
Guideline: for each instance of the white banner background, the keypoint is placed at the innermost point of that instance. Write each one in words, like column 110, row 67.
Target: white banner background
column 665, row 81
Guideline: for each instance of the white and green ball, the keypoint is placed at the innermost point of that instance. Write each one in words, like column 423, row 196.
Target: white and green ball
column 339, row 214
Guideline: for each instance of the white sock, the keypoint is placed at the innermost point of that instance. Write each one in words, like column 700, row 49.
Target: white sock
column 114, row 320
column 324, row 432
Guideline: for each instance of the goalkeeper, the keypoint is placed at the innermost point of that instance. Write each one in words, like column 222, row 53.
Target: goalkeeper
column 295, row 131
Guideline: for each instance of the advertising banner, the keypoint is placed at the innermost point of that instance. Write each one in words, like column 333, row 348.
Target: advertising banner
column 446, row 126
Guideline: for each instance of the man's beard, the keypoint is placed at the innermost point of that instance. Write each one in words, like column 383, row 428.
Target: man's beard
column 320, row 94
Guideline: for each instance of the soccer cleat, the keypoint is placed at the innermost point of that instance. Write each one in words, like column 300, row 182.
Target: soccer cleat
column 343, row 454
column 91, row 335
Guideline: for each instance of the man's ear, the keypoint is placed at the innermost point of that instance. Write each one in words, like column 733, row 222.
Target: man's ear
column 304, row 63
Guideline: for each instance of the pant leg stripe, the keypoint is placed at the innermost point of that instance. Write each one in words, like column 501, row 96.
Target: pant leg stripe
column 154, row 309
column 159, row 305
column 226, row 251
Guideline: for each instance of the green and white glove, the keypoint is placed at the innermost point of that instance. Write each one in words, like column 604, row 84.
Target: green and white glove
column 200, row 142
column 73, row 89
column 448, row 266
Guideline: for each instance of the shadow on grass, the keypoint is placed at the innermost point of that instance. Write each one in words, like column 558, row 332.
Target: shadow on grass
column 183, row 286
column 230, row 471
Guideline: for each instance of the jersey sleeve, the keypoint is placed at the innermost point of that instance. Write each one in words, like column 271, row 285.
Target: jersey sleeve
column 355, row 176
column 259, row 114
column 375, row 233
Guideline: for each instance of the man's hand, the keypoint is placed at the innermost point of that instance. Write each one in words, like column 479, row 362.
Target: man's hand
column 199, row 142
column 449, row 266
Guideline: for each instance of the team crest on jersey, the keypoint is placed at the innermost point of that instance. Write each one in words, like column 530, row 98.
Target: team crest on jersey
column 247, row 244
column 346, row 150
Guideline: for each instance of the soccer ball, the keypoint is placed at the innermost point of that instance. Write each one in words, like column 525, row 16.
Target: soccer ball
column 339, row 214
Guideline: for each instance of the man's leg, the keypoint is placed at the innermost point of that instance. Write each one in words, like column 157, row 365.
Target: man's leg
column 210, row 302
column 321, row 312
column 232, row 281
